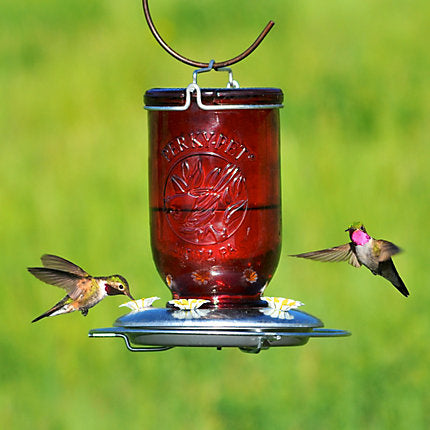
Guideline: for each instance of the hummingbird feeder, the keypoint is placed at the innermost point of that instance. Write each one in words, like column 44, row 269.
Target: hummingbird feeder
column 215, row 210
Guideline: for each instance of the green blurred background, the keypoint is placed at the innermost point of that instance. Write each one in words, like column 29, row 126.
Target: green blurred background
column 73, row 181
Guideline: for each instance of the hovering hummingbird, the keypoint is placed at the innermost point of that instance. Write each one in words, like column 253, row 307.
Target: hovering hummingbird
column 363, row 250
column 83, row 290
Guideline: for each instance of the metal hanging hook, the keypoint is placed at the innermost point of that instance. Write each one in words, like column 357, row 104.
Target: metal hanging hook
column 193, row 63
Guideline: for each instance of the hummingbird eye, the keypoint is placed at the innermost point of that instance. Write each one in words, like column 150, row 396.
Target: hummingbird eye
column 120, row 287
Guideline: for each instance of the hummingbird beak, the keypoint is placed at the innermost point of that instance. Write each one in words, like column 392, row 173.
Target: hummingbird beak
column 129, row 295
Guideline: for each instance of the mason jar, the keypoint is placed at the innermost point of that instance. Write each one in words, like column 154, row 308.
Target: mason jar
column 214, row 191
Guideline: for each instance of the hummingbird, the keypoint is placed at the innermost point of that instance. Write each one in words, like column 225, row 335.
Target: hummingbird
column 83, row 290
column 363, row 250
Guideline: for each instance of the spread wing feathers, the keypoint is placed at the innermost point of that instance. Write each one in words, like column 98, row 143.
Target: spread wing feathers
column 54, row 262
column 337, row 253
column 68, row 281
column 385, row 250
column 353, row 260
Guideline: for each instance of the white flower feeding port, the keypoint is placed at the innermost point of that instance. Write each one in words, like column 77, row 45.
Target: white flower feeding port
column 215, row 204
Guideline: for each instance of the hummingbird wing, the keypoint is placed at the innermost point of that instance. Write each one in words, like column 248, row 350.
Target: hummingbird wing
column 337, row 253
column 384, row 250
column 54, row 262
column 68, row 281
column 353, row 260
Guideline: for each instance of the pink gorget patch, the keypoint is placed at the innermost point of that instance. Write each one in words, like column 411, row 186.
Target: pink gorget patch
column 360, row 237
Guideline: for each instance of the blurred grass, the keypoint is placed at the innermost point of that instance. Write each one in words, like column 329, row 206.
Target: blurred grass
column 355, row 135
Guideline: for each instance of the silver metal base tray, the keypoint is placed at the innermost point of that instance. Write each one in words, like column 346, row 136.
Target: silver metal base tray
column 249, row 329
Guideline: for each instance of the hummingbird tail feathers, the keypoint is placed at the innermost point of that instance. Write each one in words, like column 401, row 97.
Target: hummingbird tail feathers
column 46, row 314
column 54, row 309
column 389, row 272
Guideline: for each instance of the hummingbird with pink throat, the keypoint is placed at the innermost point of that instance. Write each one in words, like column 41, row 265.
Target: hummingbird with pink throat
column 83, row 290
column 375, row 254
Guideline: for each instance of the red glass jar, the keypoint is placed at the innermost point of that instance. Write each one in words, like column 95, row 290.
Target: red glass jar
column 214, row 183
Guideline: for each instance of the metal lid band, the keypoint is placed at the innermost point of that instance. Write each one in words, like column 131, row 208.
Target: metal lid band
column 194, row 87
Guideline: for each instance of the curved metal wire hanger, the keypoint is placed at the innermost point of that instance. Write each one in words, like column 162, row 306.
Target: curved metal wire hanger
column 193, row 63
